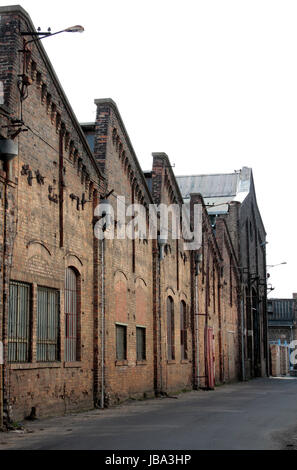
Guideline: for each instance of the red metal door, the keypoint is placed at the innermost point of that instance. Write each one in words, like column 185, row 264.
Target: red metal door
column 210, row 359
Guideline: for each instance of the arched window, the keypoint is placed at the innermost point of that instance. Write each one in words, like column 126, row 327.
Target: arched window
column 183, row 331
column 72, row 315
column 170, row 329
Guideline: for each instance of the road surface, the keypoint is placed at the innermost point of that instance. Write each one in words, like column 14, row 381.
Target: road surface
column 260, row 414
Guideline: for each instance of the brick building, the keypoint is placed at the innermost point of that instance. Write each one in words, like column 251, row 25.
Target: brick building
column 87, row 321
column 282, row 320
column 49, row 282
column 172, row 290
column 230, row 305
column 232, row 197
column 128, row 264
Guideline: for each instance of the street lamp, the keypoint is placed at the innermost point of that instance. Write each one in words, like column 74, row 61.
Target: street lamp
column 24, row 81
column 41, row 35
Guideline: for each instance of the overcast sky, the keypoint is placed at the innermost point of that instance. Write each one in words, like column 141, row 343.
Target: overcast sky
column 212, row 83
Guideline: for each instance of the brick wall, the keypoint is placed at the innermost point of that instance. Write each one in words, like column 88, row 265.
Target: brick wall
column 48, row 198
column 128, row 263
column 173, row 280
column 52, row 230
column 207, row 308
column 230, row 294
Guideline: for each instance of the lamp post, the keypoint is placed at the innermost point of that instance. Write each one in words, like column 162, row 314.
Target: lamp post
column 41, row 35
column 24, row 81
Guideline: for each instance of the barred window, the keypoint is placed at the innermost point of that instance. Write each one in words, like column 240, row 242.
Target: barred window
column 170, row 329
column 121, row 342
column 183, row 331
column 48, row 313
column 72, row 316
column 19, row 322
column 140, row 344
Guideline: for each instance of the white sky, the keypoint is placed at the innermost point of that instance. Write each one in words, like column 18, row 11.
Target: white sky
column 212, row 83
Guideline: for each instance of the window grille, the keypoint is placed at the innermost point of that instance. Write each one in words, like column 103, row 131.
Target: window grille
column 140, row 344
column 47, row 325
column 71, row 306
column 121, row 342
column 19, row 322
column 183, row 331
column 170, row 329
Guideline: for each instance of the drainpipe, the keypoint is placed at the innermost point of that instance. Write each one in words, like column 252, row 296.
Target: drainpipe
column 102, row 322
column 2, row 360
column 1, row 385
column 161, row 245
column 197, row 330
column 198, row 260
column 8, row 151
column 242, row 340
column 291, row 339
column 109, row 222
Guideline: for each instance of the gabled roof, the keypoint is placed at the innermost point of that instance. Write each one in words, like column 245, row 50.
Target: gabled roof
column 218, row 190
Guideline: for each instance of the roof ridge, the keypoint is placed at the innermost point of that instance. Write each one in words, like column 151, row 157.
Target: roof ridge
column 208, row 174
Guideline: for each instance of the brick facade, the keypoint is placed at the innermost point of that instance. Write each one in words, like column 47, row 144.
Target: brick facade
column 230, row 304
column 52, row 177
column 128, row 263
column 173, row 281
column 150, row 318
column 249, row 241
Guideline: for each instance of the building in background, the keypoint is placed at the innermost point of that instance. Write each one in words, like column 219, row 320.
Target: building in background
column 233, row 198
column 282, row 330
column 282, row 320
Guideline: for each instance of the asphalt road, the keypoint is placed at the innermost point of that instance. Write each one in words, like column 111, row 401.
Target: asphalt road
column 260, row 414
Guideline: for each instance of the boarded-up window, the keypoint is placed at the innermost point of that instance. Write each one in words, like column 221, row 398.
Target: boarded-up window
column 183, row 331
column 121, row 342
column 71, row 316
column 170, row 329
column 140, row 344
column 47, row 325
column 19, row 322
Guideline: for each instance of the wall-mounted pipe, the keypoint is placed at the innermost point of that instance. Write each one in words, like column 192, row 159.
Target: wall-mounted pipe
column 197, row 330
column 102, row 323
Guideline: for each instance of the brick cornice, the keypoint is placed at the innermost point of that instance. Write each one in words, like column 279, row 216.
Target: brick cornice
column 109, row 103
column 169, row 173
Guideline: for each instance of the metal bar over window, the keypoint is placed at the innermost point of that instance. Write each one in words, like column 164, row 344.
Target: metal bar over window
column 140, row 344
column 19, row 322
column 71, row 315
column 121, row 342
column 47, row 325
column 183, row 330
column 170, row 329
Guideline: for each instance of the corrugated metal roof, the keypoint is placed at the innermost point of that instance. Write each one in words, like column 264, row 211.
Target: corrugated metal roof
column 218, row 190
column 209, row 185
column 282, row 310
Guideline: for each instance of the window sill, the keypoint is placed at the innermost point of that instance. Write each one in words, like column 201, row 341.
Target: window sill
column 184, row 361
column 121, row 363
column 172, row 361
column 72, row 365
column 141, row 363
column 36, row 365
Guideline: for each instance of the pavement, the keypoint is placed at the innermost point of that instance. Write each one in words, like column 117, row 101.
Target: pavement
column 257, row 415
